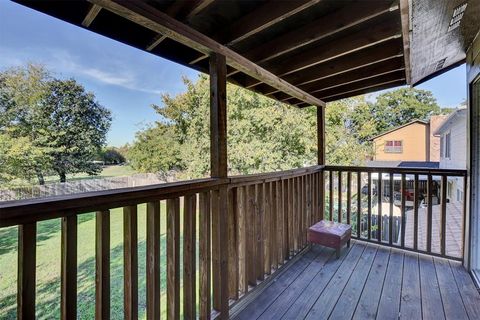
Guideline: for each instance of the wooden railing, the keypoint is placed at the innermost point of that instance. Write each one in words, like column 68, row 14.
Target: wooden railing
column 408, row 208
column 248, row 226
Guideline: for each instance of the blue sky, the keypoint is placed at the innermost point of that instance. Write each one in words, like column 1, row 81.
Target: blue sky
column 124, row 79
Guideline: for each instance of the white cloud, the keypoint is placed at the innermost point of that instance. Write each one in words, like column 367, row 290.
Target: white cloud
column 62, row 62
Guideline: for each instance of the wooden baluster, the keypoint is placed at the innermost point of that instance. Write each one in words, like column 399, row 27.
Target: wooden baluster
column 443, row 223
column 404, row 195
column 280, row 222
column 295, row 215
column 369, row 217
column 349, row 196
column 69, row 267
column 102, row 265
column 130, row 257
column 153, row 260
column 415, row 212
column 276, row 226
column 189, row 256
column 266, row 230
column 429, row 213
column 251, row 233
column 274, row 243
column 291, row 220
column 287, row 219
column 260, row 210
column 330, row 173
column 232, row 220
column 302, row 210
column 242, row 239
column 339, row 214
column 390, row 220
column 204, row 255
column 173, row 258
column 27, row 237
column 321, row 195
column 379, row 211
column 359, row 204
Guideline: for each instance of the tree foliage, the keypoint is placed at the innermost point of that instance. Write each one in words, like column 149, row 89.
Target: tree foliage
column 62, row 124
column 264, row 135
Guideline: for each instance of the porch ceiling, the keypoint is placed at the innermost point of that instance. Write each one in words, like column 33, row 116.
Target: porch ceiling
column 300, row 52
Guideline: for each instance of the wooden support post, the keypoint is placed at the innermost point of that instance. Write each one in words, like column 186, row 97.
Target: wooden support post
column 69, row 267
column 218, row 169
column 27, row 237
column 102, row 266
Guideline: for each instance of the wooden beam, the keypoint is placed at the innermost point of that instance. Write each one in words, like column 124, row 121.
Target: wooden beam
column 367, row 89
column 326, row 26
column 374, row 34
column 155, row 42
column 91, row 15
column 173, row 11
column 155, row 20
column 218, row 116
column 267, row 15
column 360, row 74
column 382, row 52
column 397, row 75
column 405, row 17
column 264, row 17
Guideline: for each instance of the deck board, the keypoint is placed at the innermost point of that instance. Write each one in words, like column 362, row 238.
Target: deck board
column 368, row 281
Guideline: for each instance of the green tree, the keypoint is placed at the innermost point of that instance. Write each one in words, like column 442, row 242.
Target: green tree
column 398, row 107
column 263, row 135
column 61, row 121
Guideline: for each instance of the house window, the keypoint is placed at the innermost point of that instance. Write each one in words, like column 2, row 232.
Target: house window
column 393, row 146
column 447, row 145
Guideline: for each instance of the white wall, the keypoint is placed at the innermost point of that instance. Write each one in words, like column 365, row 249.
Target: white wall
column 458, row 145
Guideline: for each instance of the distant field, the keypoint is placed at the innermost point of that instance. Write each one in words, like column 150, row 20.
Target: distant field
column 108, row 171
column 48, row 266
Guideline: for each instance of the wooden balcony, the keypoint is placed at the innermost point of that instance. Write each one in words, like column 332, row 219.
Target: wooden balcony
column 249, row 234
column 368, row 281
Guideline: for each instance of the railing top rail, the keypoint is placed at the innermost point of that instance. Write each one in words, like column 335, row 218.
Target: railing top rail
column 30, row 210
column 272, row 176
column 421, row 171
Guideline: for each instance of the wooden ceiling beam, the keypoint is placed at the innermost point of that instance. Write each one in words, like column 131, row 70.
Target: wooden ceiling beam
column 381, row 79
column 267, row 15
column 368, row 89
column 196, row 7
column 359, row 74
column 354, row 80
column 382, row 52
column 347, row 17
column 352, row 42
column 153, row 19
column 91, row 15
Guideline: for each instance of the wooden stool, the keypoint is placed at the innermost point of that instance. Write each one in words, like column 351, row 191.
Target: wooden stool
column 330, row 234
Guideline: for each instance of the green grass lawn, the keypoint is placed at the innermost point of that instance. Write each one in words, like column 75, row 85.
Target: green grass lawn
column 48, row 266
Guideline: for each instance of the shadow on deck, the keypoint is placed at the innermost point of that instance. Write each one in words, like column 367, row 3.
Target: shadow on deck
column 367, row 282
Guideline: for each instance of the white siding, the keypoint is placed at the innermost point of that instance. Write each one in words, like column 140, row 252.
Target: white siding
column 458, row 146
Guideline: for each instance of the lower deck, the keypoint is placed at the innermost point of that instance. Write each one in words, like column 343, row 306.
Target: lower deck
column 368, row 281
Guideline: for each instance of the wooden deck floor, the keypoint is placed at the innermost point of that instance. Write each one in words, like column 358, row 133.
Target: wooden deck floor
column 367, row 282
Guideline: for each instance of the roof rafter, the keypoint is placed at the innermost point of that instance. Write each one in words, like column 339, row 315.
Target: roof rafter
column 359, row 59
column 91, row 15
column 321, row 28
column 269, row 14
column 367, row 89
column 155, row 20
column 351, row 87
column 196, row 7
